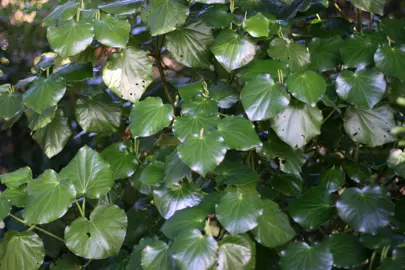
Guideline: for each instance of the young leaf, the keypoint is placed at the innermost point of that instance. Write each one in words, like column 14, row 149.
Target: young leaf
column 257, row 25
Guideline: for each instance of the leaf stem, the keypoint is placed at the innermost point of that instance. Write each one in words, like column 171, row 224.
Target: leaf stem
column 80, row 209
column 370, row 266
column 84, row 206
column 370, row 23
column 356, row 153
column 329, row 115
column 37, row 228
column 87, row 263
column 162, row 74
column 339, row 10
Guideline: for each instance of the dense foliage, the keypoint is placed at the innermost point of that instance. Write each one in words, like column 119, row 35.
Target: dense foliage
column 211, row 134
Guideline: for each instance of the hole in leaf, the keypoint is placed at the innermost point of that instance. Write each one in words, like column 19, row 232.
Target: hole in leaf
column 88, row 234
column 283, row 161
column 355, row 134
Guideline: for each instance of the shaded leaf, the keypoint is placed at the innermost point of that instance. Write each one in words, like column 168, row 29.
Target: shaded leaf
column 156, row 255
column 332, row 180
column 17, row 178
column 233, row 173
column 11, row 104
column 346, row 250
column 300, row 255
column 175, row 169
column 390, row 60
column 289, row 185
column 37, row 121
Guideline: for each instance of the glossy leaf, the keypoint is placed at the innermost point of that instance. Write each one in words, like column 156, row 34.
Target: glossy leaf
column 111, row 31
column 289, row 185
column 357, row 173
column 332, row 180
column 308, row 87
column 156, row 256
column 73, row 72
column 90, row 174
column 200, row 105
column 294, row 54
column 149, row 116
column 232, row 51
column 390, row 60
column 184, row 220
column 274, row 228
column 300, row 255
column 100, row 236
column 263, row 98
column 366, row 209
column 369, row 127
column 10, row 105
column 188, row 125
column 61, row 13
column 363, row 88
column 325, row 53
column 128, row 73
column 153, row 174
column 374, row 6
column 347, row 250
column 192, row 250
column 257, row 25
column 233, row 173
column 37, row 121
column 358, row 51
column 121, row 158
column 175, row 169
column 224, row 94
column 48, row 198
column 16, row 196
column 238, row 133
column 122, row 7
column 235, row 252
column 16, row 178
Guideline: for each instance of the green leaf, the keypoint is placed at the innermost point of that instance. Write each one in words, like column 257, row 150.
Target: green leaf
column 192, row 250
column 347, row 250
column 44, row 93
column 99, row 237
column 209, row 145
column 184, row 220
column 313, row 209
column 299, row 256
column 90, row 174
column 232, row 51
column 15, row 195
column 74, row 72
column 358, row 51
column 233, row 173
column 122, row 7
column 66, row 262
column 325, row 53
column 217, row 16
column 21, row 250
column 257, row 25
column 239, row 209
column 48, row 198
column 189, row 45
column 298, row 124
column 369, row 127
column 111, row 31
column 98, row 114
column 212, row 1
column 17, row 178
column 170, row 200
column 164, row 16
column 53, row 137
column 332, row 180
column 289, row 185
column 70, row 38
column 274, row 228
column 373, row 6
column 190, row 90
column 200, row 105
column 235, row 252
column 238, row 133
column 224, row 94
column 149, row 116
column 364, row 88
column 37, row 121
column 153, row 174
column 294, row 54
column 391, row 60
column 5, row 207
column 128, row 73
column 175, row 169
column 275, row 68
column 187, row 125
column 263, row 98
column 61, row 13
column 308, row 87
column 135, row 259
column 156, row 256
column 121, row 158
column 366, row 209
column 11, row 104
column 396, row 161
column 357, row 172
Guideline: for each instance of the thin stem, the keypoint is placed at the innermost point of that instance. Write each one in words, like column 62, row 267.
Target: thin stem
column 82, row 4
column 356, row 153
column 162, row 75
column 88, row 263
column 84, row 206
column 359, row 20
column 339, row 10
column 37, row 228
column 80, row 209
column 327, row 117
column 370, row 266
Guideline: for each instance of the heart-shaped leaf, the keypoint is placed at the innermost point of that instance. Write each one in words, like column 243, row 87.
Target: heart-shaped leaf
column 257, row 25
column 298, row 124
column 184, row 220
column 121, row 158
column 366, row 209
column 235, row 251
column 156, row 255
column 232, row 51
column 239, row 209
column 369, row 127
column 358, row 51
column 111, row 31
column 90, row 174
column 44, row 93
column 325, row 53
column 211, row 146
column 153, row 174
column 170, row 200
column 299, row 256
column 61, row 13
column 313, row 209
column 187, row 125
column 53, row 137
column 37, row 121
column 390, row 60
column 21, row 250
column 100, row 236
column 332, row 180
column 294, row 54
column 363, row 88
column 149, row 116
column 164, row 16
column 70, row 38
column 11, row 104
column 48, row 198
column 189, row 44
column 128, row 73
column 347, row 250
column 308, row 87
column 274, row 228
column 238, row 133
column 233, row 173
column 16, row 178
column 192, row 250
column 98, row 114
column 263, row 98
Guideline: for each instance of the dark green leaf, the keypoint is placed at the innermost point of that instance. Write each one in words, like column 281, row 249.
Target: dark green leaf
column 11, row 104
column 358, row 51
column 275, row 68
column 121, row 158
column 233, row 173
column 74, row 72
column 37, row 121
column 391, row 60
column 66, row 262
column 289, row 185
column 357, row 172
column 235, row 252
column 325, row 53
column 17, row 178
column 346, row 250
column 299, row 256
column 153, row 174
column 308, row 87
column 224, row 94
column 332, row 180
column 156, row 255
column 175, row 169
column 184, row 220
column 374, row 6
column 294, row 54
column 61, row 13
column 188, row 125
column 217, row 16
column 135, row 259
column 111, row 31
column 122, row 7
column 238, row 133
column 5, row 207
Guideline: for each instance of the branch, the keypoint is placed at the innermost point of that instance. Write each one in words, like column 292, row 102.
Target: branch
column 162, row 74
